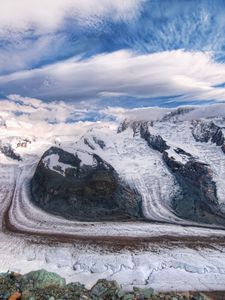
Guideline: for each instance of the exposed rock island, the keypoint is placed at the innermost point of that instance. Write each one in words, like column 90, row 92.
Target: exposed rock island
column 84, row 187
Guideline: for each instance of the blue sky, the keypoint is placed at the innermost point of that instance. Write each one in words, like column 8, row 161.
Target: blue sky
column 128, row 53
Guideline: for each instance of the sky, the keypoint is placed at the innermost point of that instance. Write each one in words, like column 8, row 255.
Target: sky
column 97, row 54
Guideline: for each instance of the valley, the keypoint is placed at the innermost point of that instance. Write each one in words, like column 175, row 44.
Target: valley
column 165, row 240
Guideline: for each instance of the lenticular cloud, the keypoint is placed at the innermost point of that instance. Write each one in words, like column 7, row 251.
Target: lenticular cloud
column 180, row 74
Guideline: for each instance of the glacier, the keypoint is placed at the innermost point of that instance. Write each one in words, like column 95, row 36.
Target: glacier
column 164, row 251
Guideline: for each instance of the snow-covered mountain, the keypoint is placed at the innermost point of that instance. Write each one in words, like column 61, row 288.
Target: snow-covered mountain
column 169, row 169
column 133, row 183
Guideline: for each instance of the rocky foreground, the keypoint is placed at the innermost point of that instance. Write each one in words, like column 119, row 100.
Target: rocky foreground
column 50, row 286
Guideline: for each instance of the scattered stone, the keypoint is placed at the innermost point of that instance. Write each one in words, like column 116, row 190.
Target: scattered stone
column 147, row 293
column 76, row 289
column 128, row 297
column 104, row 289
column 121, row 294
column 5, row 295
column 200, row 296
column 43, row 285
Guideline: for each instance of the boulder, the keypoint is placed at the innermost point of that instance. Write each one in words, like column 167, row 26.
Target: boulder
column 143, row 293
column 104, row 289
column 41, row 279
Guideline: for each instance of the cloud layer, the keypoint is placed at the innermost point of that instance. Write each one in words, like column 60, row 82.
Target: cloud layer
column 23, row 116
column 33, row 117
column 33, row 34
column 23, row 15
column 179, row 75
column 112, row 51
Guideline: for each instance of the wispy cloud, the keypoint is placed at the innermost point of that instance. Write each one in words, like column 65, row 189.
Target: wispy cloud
column 33, row 110
column 26, row 116
column 93, row 50
column 119, row 114
column 17, row 16
column 185, row 75
column 33, row 33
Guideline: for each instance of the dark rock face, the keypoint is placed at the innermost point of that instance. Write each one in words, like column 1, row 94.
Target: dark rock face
column 141, row 128
column 182, row 152
column 99, row 142
column 223, row 148
column 156, row 142
column 205, row 132
column 84, row 192
column 174, row 115
column 8, row 151
column 198, row 200
column 86, row 142
column 123, row 126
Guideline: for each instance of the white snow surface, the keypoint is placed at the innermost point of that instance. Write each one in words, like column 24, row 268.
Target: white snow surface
column 161, row 267
column 52, row 162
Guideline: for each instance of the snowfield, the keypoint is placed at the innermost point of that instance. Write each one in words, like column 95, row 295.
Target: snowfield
column 166, row 252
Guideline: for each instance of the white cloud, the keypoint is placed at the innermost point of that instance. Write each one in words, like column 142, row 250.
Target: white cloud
column 33, row 117
column 30, row 117
column 33, row 31
column 137, row 114
column 35, row 110
column 49, row 15
column 192, row 76
column 22, row 53
column 157, row 113
column 26, row 116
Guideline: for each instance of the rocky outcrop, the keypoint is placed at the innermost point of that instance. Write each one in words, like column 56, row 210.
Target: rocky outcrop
column 86, row 142
column 182, row 152
column 99, row 142
column 177, row 114
column 156, row 142
column 204, row 131
column 141, row 128
column 123, row 126
column 198, row 199
column 70, row 188
column 8, row 151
